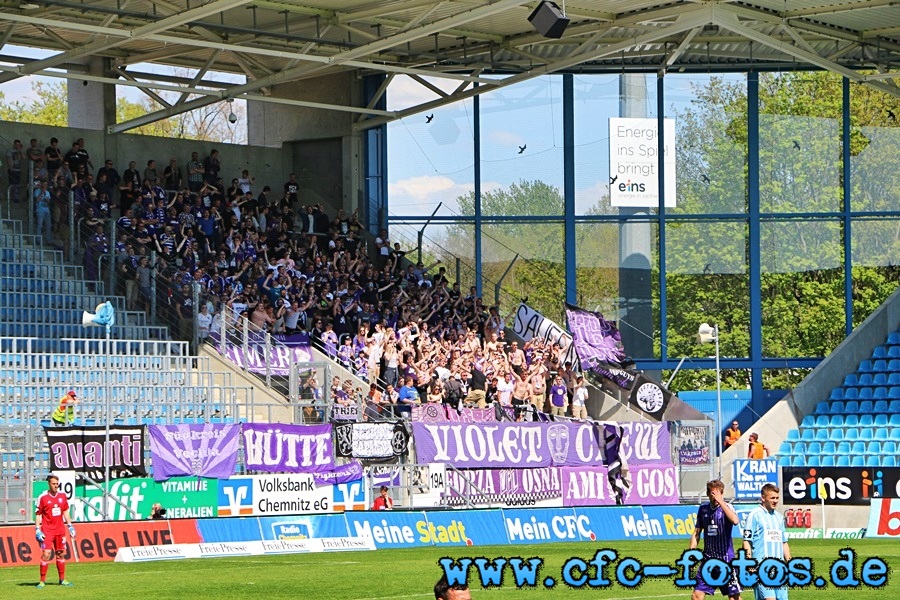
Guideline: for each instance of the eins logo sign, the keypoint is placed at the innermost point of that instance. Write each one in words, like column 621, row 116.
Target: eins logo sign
column 819, row 488
column 873, row 487
column 632, row 186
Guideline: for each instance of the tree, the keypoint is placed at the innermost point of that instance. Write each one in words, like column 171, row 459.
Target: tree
column 209, row 123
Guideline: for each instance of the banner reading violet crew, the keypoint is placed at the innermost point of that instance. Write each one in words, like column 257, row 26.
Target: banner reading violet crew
column 203, row 450
column 280, row 447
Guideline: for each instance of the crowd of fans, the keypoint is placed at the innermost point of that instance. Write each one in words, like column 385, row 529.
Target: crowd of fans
column 290, row 268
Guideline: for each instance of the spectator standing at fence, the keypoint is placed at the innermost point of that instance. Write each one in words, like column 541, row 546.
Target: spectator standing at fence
column 383, row 501
column 407, row 397
column 195, row 173
column 15, row 162
column 757, row 449
column 558, row 397
column 54, row 157
column 42, row 211
column 579, row 399
column 212, row 167
column 50, row 523
column 173, row 180
column 732, row 434
column 64, row 414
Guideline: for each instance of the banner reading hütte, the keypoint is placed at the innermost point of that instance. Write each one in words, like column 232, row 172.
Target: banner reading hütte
column 280, row 447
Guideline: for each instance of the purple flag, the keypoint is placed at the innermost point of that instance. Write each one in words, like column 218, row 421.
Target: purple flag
column 280, row 447
column 202, row 450
column 596, row 339
column 280, row 358
column 341, row 474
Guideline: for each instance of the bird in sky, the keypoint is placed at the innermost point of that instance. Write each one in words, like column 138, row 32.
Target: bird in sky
column 429, row 118
column 704, row 177
column 796, row 145
column 522, row 148
column 612, row 180
column 891, row 115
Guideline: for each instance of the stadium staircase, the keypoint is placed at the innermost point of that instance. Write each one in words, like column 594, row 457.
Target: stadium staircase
column 140, row 376
column 846, row 413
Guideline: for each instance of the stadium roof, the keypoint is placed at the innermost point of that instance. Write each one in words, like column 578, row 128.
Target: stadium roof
column 277, row 41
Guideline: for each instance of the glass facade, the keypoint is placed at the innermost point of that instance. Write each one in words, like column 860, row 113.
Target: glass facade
column 783, row 230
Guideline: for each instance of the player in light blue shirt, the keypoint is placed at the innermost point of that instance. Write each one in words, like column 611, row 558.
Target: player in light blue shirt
column 764, row 537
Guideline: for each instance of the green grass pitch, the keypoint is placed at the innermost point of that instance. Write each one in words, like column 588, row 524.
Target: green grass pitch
column 408, row 573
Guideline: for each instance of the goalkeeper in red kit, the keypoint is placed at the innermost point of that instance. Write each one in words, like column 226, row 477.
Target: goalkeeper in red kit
column 51, row 521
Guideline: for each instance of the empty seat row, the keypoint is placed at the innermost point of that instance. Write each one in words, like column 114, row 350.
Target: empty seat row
column 852, row 407
column 63, row 315
column 844, row 433
column 890, row 351
column 842, row 460
column 851, row 420
column 874, row 366
column 852, row 380
column 836, row 448
column 51, row 300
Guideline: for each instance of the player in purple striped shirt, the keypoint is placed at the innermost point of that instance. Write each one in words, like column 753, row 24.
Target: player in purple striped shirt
column 716, row 519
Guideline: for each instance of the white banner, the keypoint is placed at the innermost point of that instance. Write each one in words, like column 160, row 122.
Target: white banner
column 255, row 548
column 266, row 495
column 634, row 162
column 529, row 324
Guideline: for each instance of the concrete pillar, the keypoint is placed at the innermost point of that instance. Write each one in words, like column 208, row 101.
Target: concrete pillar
column 92, row 105
column 320, row 145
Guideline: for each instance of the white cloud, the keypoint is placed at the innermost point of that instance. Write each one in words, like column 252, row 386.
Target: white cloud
column 405, row 92
column 506, row 138
column 420, row 195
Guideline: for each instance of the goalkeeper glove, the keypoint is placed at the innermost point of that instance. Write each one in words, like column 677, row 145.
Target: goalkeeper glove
column 71, row 530
column 39, row 535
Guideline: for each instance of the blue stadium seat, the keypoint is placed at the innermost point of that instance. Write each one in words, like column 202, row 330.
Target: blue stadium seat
column 873, row 448
column 808, row 421
column 851, row 434
column 889, row 461
column 879, row 379
column 850, row 380
column 851, row 420
column 894, row 420
column 843, row 448
column 851, row 407
column 881, row 433
column 814, row 448
column 858, row 448
column 799, row 449
column 836, row 394
column 881, row 420
column 822, row 421
column 894, row 338
column 889, row 447
column 866, row 406
column 823, row 434
column 808, row 435
column 814, row 461
column 836, row 434
column 829, row 448
column 865, row 367
column 880, row 406
column 836, row 421
column 893, row 352
column 784, row 461
column 893, row 379
column 793, row 435
column 894, row 365
column 799, row 461
column 895, row 433
column 785, row 447
column 894, row 392
column 828, row 461
column 843, row 460
column 821, row 408
column 858, row 461
column 879, row 365
column 879, row 352
column 866, row 434
column 866, row 419
column 879, row 393
column 865, row 393
column 865, row 379
column 851, row 393
column 836, row 407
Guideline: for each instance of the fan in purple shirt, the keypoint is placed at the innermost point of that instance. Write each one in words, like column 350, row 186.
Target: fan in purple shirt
column 715, row 520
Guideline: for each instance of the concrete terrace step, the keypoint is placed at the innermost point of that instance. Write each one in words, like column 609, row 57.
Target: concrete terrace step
column 53, row 300
column 63, row 315
column 42, row 271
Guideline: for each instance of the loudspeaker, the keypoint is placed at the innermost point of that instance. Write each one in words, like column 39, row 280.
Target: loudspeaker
column 549, row 20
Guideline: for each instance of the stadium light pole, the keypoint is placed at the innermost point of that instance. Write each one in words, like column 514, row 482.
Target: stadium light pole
column 710, row 333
